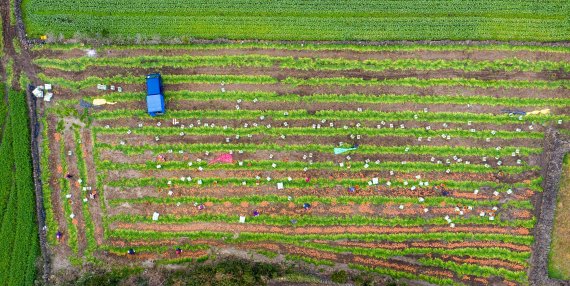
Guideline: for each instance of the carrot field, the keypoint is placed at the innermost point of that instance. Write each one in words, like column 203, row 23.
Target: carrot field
column 443, row 184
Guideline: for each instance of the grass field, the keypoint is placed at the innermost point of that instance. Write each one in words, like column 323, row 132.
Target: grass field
column 422, row 117
column 520, row 20
column 560, row 251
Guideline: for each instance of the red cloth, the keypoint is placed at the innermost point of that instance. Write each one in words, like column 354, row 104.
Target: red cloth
column 224, row 158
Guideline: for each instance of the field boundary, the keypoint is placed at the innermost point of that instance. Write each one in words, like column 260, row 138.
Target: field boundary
column 555, row 149
column 40, row 209
column 123, row 42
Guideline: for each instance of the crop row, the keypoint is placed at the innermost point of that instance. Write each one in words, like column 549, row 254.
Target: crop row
column 264, row 61
column 467, row 269
column 469, row 186
column 339, row 200
column 325, row 131
column 65, row 189
column 133, row 235
column 476, row 270
column 382, row 253
column 306, row 220
column 397, row 274
column 307, row 259
column 364, row 149
column 51, row 224
column 327, row 115
column 82, row 167
column 19, row 245
column 260, row 96
column 292, row 46
column 263, row 165
column 337, row 81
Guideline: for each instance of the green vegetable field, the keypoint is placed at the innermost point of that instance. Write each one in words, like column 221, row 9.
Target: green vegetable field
column 323, row 20
column 18, row 227
column 415, row 162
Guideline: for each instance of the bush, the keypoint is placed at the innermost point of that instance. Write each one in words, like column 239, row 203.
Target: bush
column 340, row 277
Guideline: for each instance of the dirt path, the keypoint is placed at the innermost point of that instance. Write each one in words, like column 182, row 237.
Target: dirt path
column 317, row 210
column 112, row 193
column 285, row 89
column 480, row 55
column 283, row 73
column 236, row 228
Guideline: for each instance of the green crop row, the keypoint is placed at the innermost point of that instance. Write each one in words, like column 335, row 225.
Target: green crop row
column 153, row 249
column 292, row 46
column 304, row 220
column 476, row 270
column 72, row 235
column 337, row 81
column 406, row 275
column 168, row 79
column 89, row 226
column 342, row 98
column 6, row 158
column 51, row 224
column 19, row 245
column 365, row 149
column 8, row 198
column 317, row 262
column 535, row 184
column 369, row 237
column 251, row 165
column 382, row 253
column 326, row 131
column 342, row 200
column 365, row 115
column 416, row 82
column 264, row 61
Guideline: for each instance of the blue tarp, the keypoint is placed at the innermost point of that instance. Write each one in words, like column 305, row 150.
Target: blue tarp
column 155, row 103
column 342, row 150
column 153, row 85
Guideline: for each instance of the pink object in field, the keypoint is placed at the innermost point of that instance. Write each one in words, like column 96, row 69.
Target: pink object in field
column 224, row 158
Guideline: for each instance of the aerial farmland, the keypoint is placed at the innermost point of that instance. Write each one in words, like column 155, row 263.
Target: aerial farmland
column 285, row 143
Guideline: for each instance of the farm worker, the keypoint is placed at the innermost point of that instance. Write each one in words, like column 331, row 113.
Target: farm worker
column 255, row 213
column 351, row 189
column 69, row 176
column 59, row 235
column 355, row 145
column 306, row 206
column 201, row 207
column 131, row 251
column 307, row 179
column 178, row 251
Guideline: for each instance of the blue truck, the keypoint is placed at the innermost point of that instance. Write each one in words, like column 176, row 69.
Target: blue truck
column 154, row 97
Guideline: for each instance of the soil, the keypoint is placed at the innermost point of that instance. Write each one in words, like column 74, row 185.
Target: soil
column 282, row 73
column 352, row 55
